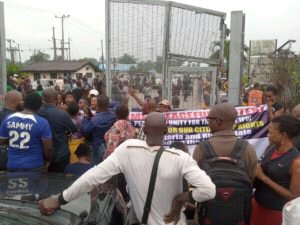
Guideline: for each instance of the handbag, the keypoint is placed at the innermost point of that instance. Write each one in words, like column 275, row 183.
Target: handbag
column 147, row 207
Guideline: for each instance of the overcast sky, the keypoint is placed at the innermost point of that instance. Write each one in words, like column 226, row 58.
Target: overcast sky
column 30, row 22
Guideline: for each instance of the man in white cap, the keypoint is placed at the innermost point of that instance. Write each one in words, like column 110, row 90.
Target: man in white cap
column 93, row 93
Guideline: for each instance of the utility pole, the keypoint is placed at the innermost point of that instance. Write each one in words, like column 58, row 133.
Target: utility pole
column 54, row 44
column 19, row 53
column 3, row 73
column 62, row 35
column 11, row 50
column 102, row 58
column 69, row 49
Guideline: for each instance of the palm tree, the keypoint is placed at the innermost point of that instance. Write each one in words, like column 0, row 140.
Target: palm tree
column 217, row 51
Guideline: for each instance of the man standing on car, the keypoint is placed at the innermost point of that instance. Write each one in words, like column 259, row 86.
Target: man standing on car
column 134, row 158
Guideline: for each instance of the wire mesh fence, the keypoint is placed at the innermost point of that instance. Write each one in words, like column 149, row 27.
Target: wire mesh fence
column 192, row 88
column 144, row 38
column 194, row 33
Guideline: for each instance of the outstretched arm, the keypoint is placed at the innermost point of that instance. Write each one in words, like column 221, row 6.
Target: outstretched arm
column 134, row 95
column 84, row 184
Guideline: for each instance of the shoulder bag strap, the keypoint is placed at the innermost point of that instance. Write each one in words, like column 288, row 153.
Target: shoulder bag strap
column 238, row 148
column 148, row 202
column 207, row 149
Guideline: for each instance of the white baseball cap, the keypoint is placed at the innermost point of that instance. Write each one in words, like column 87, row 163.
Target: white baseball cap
column 94, row 92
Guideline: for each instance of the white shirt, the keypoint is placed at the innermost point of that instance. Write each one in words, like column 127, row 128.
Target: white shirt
column 291, row 213
column 134, row 158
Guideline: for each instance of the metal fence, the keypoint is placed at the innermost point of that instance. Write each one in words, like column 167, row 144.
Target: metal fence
column 192, row 87
column 145, row 37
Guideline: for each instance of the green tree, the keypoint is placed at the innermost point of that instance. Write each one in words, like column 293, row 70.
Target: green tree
column 13, row 69
column 127, row 59
column 217, row 52
column 132, row 70
column 285, row 76
column 91, row 60
column 38, row 57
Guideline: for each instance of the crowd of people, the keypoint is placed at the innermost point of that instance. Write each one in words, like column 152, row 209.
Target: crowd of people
column 79, row 130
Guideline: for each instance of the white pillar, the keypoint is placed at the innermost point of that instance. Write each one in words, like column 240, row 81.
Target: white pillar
column 236, row 56
column 3, row 75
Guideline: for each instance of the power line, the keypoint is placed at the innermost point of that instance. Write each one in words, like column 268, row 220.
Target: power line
column 62, row 34
column 23, row 7
column 12, row 50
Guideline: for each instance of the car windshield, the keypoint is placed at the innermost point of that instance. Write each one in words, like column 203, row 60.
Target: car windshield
column 13, row 217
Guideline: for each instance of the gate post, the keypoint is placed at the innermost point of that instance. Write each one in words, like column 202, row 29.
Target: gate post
column 236, row 56
column 166, row 50
column 2, row 56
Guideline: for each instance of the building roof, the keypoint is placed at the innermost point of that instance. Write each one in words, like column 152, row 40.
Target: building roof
column 57, row 66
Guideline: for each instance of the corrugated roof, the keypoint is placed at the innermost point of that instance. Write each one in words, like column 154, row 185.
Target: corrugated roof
column 57, row 66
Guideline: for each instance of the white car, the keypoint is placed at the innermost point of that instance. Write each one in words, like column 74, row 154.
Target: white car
column 44, row 82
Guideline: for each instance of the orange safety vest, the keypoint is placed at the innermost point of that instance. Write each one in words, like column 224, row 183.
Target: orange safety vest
column 255, row 98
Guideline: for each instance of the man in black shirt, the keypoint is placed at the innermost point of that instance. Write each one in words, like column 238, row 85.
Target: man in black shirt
column 61, row 125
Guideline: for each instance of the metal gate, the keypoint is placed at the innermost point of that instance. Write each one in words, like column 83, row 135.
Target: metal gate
column 192, row 87
column 148, row 36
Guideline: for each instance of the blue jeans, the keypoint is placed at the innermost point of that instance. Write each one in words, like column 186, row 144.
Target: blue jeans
column 98, row 154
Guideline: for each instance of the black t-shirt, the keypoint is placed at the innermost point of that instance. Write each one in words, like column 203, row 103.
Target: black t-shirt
column 78, row 93
column 296, row 142
column 276, row 107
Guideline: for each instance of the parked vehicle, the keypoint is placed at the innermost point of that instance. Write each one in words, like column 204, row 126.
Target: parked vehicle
column 20, row 192
column 44, row 82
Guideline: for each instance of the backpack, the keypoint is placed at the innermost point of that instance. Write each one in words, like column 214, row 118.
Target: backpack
column 232, row 204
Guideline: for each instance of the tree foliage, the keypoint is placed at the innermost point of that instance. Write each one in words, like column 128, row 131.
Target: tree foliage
column 286, row 77
column 12, row 69
column 127, row 59
column 91, row 60
column 38, row 57
column 217, row 51
column 146, row 66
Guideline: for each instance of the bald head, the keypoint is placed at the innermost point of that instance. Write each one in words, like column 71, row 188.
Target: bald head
column 13, row 100
column 221, row 117
column 155, row 127
column 224, row 111
column 155, row 120
column 50, row 95
column 12, row 96
column 296, row 111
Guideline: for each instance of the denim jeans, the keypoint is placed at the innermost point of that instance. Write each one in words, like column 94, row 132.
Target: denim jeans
column 98, row 154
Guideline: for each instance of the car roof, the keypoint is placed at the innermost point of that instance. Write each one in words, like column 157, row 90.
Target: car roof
column 34, row 186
